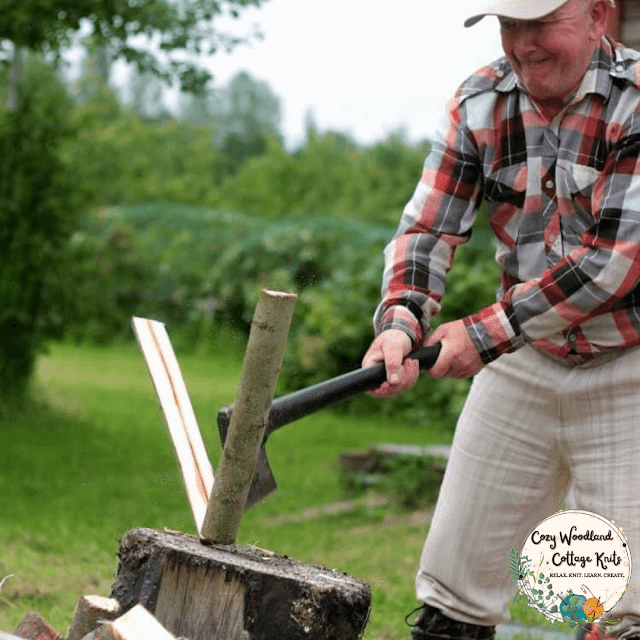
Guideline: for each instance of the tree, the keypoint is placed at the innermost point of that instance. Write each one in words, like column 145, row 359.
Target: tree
column 37, row 211
column 38, row 204
column 246, row 114
column 129, row 28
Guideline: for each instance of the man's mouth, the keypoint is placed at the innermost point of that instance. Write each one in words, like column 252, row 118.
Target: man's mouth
column 532, row 64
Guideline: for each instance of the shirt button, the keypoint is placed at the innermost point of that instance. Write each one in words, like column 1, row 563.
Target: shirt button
column 549, row 184
column 572, row 338
column 619, row 68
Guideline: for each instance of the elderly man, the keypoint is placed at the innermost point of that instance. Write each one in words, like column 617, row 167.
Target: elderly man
column 549, row 138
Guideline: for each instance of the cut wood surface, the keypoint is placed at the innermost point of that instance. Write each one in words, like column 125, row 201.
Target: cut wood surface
column 90, row 612
column 180, row 419
column 260, row 369
column 34, row 627
column 227, row 591
column 137, row 624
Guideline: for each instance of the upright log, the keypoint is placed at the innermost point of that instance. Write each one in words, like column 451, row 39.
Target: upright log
column 262, row 363
column 229, row 592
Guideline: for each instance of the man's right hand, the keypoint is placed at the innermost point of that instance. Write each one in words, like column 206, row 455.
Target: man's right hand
column 391, row 347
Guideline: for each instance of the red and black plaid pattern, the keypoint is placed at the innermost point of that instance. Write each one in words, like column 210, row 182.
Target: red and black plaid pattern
column 563, row 199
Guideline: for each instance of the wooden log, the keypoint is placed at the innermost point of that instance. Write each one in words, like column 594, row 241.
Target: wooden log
column 230, row 592
column 137, row 624
column 90, row 612
column 261, row 366
column 34, row 627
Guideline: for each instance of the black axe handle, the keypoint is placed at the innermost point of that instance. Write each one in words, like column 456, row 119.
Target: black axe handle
column 298, row 404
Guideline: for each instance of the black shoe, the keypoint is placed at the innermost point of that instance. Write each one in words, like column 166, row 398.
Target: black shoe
column 432, row 624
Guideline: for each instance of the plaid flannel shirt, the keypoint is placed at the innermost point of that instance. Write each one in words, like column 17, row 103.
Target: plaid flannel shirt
column 563, row 199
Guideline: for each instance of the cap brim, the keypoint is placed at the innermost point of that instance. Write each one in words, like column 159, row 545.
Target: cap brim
column 518, row 9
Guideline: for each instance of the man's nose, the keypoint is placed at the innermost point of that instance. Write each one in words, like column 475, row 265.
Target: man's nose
column 524, row 40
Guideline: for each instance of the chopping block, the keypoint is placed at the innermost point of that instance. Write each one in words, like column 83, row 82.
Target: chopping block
column 231, row 592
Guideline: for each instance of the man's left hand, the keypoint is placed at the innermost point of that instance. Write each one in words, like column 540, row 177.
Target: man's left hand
column 459, row 357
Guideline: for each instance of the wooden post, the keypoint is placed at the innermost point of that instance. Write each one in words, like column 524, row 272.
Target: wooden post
column 231, row 592
column 262, row 363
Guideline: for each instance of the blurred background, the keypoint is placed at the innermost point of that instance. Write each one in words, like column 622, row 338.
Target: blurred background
column 169, row 159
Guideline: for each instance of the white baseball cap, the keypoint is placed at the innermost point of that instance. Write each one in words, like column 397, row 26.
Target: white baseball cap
column 518, row 9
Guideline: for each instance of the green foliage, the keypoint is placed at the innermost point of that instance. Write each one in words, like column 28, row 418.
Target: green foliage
column 196, row 268
column 127, row 27
column 149, row 260
column 328, row 175
column 130, row 159
column 37, row 213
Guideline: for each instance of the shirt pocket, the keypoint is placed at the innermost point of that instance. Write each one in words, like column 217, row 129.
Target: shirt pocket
column 507, row 185
column 575, row 191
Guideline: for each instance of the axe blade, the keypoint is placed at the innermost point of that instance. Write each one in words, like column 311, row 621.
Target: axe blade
column 264, row 482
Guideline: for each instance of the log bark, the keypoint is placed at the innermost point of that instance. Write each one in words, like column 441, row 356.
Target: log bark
column 236, row 593
column 90, row 613
column 262, row 364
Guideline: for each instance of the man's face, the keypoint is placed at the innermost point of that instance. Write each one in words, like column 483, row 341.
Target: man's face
column 551, row 54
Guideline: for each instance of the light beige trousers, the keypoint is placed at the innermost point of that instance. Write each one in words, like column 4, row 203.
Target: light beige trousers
column 529, row 430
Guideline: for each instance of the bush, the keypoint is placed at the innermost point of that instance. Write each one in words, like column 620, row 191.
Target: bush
column 198, row 269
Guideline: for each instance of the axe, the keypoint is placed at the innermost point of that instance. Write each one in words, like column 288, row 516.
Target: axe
column 298, row 404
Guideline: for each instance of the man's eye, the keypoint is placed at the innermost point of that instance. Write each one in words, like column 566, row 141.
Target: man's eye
column 507, row 25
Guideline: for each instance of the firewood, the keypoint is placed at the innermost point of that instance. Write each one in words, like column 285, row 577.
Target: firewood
column 137, row 624
column 34, row 627
column 91, row 612
column 228, row 591
column 180, row 419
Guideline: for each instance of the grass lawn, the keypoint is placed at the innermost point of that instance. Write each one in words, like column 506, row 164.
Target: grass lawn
column 92, row 459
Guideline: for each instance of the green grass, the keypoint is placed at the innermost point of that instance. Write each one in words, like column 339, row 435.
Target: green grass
column 91, row 459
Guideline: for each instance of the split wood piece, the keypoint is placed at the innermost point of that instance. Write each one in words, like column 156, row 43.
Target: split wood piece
column 203, row 592
column 90, row 613
column 260, row 369
column 180, row 419
column 34, row 627
column 137, row 624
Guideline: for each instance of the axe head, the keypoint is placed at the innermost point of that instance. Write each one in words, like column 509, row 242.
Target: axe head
column 263, row 482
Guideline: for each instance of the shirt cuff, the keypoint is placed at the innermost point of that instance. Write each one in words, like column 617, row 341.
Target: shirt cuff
column 400, row 317
column 494, row 330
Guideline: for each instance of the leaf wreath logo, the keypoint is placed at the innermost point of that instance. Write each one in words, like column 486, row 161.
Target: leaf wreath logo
column 574, row 609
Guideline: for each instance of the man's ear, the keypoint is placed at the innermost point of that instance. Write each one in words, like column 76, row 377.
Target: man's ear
column 599, row 13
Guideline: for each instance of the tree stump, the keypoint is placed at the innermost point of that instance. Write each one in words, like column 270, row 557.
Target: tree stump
column 236, row 593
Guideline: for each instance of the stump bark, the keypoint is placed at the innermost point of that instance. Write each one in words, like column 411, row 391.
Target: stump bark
column 236, row 593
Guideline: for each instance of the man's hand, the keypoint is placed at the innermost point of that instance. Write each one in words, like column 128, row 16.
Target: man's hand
column 391, row 347
column 459, row 357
